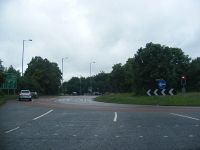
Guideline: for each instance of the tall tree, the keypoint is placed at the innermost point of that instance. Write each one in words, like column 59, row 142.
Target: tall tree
column 193, row 78
column 43, row 75
column 117, row 78
column 159, row 62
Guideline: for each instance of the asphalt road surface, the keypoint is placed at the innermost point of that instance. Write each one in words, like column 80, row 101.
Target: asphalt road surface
column 79, row 123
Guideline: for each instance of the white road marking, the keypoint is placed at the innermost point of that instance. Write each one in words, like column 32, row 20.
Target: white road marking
column 74, row 135
column 43, row 114
column 140, row 136
column 12, row 130
column 115, row 118
column 191, row 136
column 165, row 136
column 196, row 125
column 95, row 135
column 184, row 116
column 117, row 136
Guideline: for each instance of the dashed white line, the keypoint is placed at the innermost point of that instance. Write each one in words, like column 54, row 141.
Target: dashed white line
column 191, row 136
column 12, row 130
column 165, row 136
column 115, row 117
column 43, row 114
column 184, row 116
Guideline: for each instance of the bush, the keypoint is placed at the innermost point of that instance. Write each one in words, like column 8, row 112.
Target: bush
column 1, row 93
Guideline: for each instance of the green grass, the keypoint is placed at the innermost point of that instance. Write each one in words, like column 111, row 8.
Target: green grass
column 188, row 99
column 3, row 99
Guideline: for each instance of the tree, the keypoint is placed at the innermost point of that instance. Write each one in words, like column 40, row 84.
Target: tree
column 193, row 78
column 129, row 75
column 73, row 85
column 43, row 76
column 158, row 62
column 101, row 82
column 117, row 78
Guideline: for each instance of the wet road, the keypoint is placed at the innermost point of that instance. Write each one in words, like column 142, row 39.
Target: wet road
column 73, row 123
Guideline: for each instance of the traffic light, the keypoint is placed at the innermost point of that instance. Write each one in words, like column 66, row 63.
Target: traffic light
column 183, row 80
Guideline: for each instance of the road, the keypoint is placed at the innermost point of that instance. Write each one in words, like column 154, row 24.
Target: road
column 79, row 123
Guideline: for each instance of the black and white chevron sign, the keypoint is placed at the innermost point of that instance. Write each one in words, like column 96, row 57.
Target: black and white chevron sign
column 157, row 92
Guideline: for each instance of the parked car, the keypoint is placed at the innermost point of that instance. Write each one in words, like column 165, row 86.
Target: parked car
column 25, row 94
column 34, row 94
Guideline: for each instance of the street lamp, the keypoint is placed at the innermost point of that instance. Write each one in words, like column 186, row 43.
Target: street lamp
column 23, row 56
column 90, row 75
column 1, row 66
column 62, row 66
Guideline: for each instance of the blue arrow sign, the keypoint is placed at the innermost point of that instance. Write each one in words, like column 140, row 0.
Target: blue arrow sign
column 162, row 84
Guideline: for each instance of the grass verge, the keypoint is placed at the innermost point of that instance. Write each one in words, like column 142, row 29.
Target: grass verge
column 188, row 99
column 3, row 99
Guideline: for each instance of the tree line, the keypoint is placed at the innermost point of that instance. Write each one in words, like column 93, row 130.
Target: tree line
column 138, row 74
column 142, row 72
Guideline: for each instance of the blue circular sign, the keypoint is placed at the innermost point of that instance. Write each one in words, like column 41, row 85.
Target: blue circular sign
column 162, row 84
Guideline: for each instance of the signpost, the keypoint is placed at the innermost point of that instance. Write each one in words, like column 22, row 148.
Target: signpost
column 161, row 90
column 161, row 84
column 10, row 82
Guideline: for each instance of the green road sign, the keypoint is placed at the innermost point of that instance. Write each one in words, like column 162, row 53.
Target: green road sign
column 10, row 82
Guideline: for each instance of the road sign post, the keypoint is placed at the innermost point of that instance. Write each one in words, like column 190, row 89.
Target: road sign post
column 10, row 82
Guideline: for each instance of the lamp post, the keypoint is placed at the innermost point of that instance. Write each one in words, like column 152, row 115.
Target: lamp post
column 80, row 86
column 62, row 66
column 23, row 56
column 90, row 75
column 1, row 66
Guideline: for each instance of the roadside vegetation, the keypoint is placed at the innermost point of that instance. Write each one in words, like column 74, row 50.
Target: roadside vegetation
column 187, row 99
column 138, row 74
column 4, row 98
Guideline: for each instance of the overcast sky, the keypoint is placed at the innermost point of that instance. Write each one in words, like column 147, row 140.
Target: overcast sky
column 104, row 31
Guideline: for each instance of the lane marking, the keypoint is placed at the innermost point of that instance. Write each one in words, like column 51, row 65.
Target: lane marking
column 115, row 118
column 43, row 114
column 184, row 116
column 165, row 136
column 191, row 136
column 140, row 136
column 12, row 130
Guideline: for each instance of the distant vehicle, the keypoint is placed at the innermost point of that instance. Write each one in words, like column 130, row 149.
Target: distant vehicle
column 96, row 93
column 74, row 93
column 25, row 94
column 34, row 94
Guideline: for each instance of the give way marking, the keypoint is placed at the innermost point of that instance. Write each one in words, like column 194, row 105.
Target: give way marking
column 184, row 116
